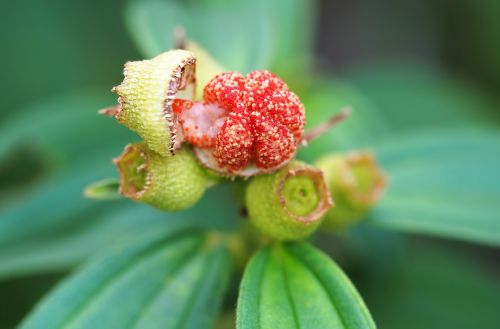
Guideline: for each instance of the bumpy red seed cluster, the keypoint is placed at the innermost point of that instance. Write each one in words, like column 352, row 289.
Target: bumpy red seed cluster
column 265, row 120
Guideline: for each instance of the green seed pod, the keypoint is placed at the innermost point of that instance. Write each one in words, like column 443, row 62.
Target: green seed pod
column 356, row 184
column 289, row 203
column 146, row 95
column 169, row 183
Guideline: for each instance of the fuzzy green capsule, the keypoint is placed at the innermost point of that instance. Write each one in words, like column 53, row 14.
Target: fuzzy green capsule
column 168, row 183
column 356, row 184
column 146, row 96
column 289, row 203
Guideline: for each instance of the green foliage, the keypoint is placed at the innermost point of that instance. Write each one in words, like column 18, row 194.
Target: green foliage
column 449, row 289
column 411, row 97
column 167, row 277
column 443, row 183
column 85, row 228
column 148, row 269
column 260, row 35
column 295, row 286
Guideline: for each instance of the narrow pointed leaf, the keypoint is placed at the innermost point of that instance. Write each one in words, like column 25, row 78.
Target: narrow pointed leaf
column 164, row 278
column 106, row 189
column 296, row 286
column 60, row 240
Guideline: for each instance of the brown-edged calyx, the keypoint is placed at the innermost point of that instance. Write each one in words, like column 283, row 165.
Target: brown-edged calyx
column 356, row 182
column 146, row 96
column 290, row 203
column 169, row 183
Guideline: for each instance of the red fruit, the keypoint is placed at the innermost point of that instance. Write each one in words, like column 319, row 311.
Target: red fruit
column 245, row 119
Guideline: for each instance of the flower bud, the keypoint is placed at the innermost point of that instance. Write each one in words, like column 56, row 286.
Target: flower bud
column 356, row 184
column 289, row 203
column 147, row 93
column 168, row 183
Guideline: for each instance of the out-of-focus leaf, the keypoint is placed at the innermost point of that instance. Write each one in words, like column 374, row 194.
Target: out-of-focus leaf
column 106, row 189
column 241, row 35
column 237, row 35
column 60, row 239
column 443, row 183
column 325, row 98
column 62, row 134
column 206, row 67
column 296, row 286
column 293, row 37
column 67, row 128
column 417, row 97
column 166, row 278
column 432, row 288
column 68, row 53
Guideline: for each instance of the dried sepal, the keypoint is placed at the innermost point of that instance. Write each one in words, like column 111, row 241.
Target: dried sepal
column 356, row 182
column 168, row 183
column 290, row 203
column 147, row 93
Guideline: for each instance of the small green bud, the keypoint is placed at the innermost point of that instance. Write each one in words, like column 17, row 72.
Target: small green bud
column 356, row 184
column 289, row 203
column 147, row 93
column 168, row 183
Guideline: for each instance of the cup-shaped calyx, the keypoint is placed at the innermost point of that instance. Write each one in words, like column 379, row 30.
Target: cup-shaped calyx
column 289, row 203
column 168, row 183
column 147, row 93
column 356, row 183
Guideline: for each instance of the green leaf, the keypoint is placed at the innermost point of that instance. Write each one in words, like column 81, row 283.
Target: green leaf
column 106, row 189
column 241, row 35
column 163, row 279
column 296, row 286
column 443, row 183
column 450, row 287
column 243, row 47
column 323, row 99
column 414, row 97
column 61, row 240
column 67, row 128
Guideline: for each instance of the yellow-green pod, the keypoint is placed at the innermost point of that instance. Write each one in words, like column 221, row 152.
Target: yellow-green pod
column 289, row 203
column 168, row 183
column 356, row 184
column 147, row 93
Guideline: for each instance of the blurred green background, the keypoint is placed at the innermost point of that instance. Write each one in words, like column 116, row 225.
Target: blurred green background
column 406, row 67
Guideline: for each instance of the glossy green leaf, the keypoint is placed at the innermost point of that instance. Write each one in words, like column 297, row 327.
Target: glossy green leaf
column 106, row 189
column 243, row 47
column 163, row 279
column 296, row 286
column 443, row 183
